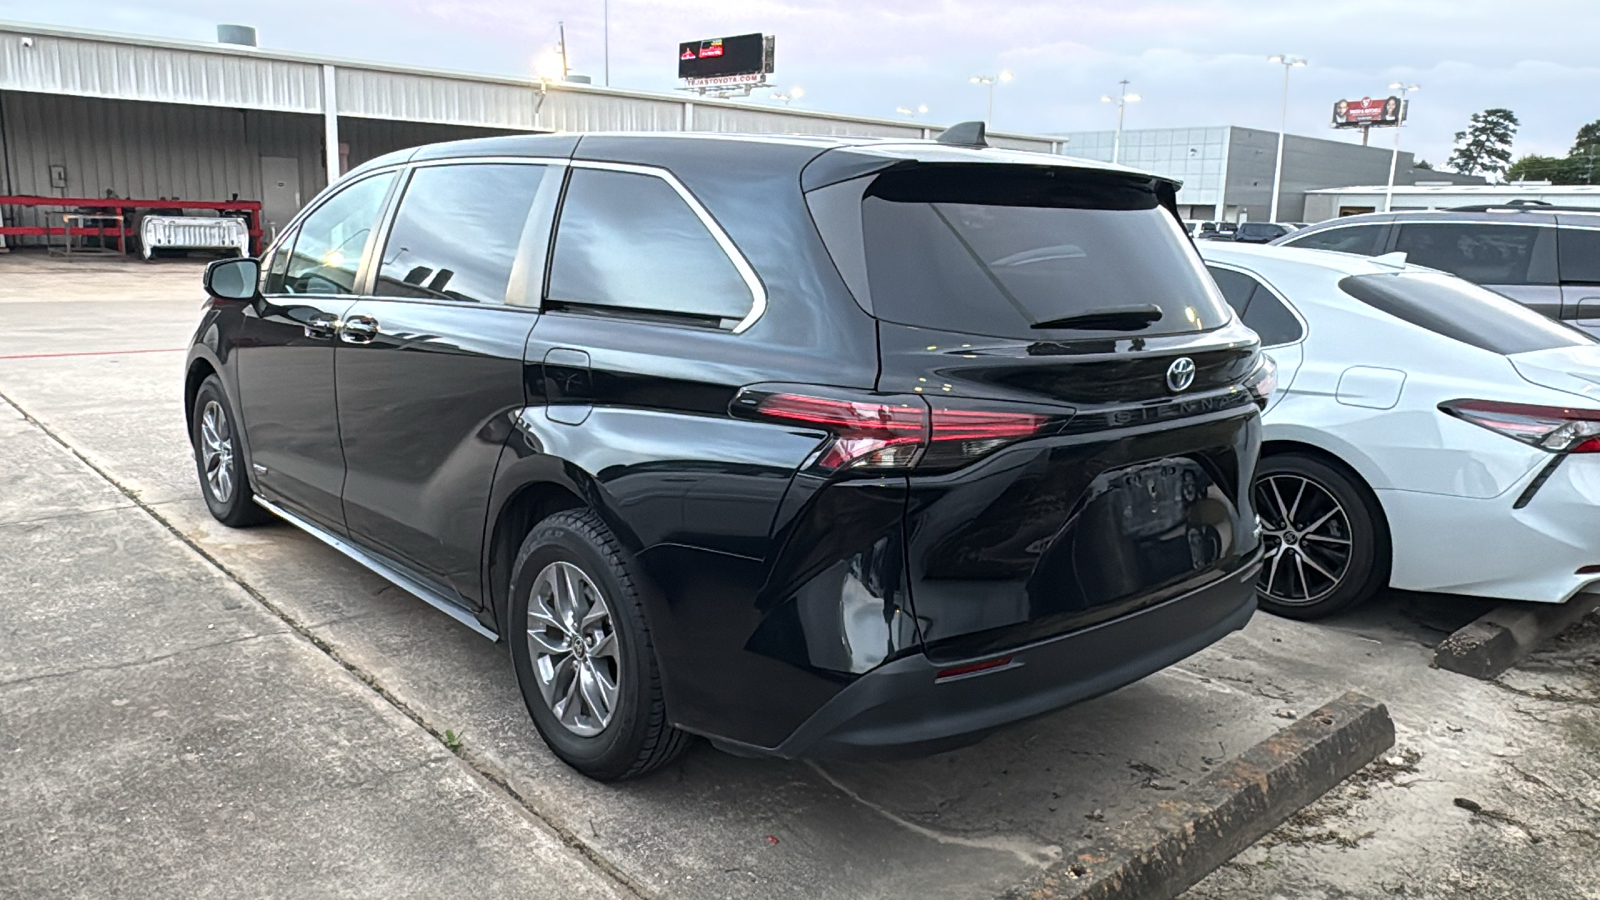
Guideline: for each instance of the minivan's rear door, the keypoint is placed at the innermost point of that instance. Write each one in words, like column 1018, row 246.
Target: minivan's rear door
column 1074, row 297
column 1578, row 258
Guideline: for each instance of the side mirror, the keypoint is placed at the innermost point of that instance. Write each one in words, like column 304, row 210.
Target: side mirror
column 233, row 279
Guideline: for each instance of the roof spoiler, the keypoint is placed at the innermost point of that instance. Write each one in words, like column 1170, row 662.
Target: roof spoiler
column 964, row 134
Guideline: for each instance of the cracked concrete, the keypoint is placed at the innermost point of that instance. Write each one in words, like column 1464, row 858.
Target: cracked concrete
column 962, row 824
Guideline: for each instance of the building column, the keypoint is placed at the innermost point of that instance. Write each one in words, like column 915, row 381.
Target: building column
column 330, row 123
column 688, row 116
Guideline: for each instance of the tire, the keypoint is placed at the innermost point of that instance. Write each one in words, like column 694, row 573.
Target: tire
column 1335, row 552
column 219, row 460
column 573, row 554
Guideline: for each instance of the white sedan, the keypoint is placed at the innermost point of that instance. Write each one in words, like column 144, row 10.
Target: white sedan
column 1425, row 433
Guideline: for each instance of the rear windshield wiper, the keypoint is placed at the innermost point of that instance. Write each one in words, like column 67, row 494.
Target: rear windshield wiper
column 1112, row 318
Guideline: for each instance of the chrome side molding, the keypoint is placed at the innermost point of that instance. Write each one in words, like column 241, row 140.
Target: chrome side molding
column 410, row 585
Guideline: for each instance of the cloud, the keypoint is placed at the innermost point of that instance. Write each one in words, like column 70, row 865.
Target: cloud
column 1196, row 62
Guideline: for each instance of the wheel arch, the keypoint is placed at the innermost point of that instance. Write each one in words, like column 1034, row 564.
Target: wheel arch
column 199, row 370
column 525, row 507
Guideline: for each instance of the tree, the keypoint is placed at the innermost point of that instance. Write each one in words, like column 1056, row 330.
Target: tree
column 1588, row 139
column 1423, row 164
column 1485, row 147
column 1554, row 169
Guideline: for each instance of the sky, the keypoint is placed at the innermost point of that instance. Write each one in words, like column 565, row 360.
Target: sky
column 1194, row 62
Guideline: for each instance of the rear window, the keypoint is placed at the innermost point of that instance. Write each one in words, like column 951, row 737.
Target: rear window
column 999, row 250
column 1462, row 311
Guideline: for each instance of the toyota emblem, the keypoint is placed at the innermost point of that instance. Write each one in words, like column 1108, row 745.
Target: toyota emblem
column 1180, row 375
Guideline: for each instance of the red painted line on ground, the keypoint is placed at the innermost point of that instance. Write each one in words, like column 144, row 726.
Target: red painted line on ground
column 93, row 353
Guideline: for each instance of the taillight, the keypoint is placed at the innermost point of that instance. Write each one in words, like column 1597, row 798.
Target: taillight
column 1262, row 381
column 892, row 431
column 1558, row 429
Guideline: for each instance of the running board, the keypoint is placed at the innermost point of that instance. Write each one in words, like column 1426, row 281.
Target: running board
column 411, row 585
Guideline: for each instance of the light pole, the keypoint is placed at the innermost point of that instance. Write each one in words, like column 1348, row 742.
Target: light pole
column 1288, row 62
column 1122, row 99
column 1004, row 76
column 1394, row 157
column 913, row 112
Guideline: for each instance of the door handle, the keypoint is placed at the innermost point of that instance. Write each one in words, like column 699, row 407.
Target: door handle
column 321, row 325
column 358, row 329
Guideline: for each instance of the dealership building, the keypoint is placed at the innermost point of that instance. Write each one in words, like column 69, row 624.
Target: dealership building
column 1227, row 170
column 87, row 116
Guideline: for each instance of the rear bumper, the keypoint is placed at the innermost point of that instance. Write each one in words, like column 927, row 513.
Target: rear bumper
column 1489, row 548
column 900, row 709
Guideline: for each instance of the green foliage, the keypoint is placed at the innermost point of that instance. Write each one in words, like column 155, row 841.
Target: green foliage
column 1588, row 139
column 1485, row 147
column 1423, row 164
column 452, row 740
column 1574, row 169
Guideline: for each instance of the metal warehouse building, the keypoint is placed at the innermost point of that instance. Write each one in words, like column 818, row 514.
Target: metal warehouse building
column 1227, row 171
column 85, row 113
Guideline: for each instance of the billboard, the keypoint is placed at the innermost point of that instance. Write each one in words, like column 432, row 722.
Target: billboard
column 741, row 59
column 1368, row 112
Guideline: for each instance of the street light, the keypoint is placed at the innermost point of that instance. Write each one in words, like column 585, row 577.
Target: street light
column 1122, row 99
column 1004, row 76
column 1288, row 62
column 921, row 109
column 1394, row 157
column 794, row 93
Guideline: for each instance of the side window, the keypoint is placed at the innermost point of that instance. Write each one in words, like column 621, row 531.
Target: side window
column 1480, row 253
column 1272, row 320
column 1259, row 308
column 273, row 268
column 327, row 253
column 457, row 231
column 1359, row 239
column 1579, row 253
column 629, row 241
column 1236, row 287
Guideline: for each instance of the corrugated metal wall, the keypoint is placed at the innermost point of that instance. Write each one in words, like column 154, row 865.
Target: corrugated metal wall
column 162, row 150
column 89, row 67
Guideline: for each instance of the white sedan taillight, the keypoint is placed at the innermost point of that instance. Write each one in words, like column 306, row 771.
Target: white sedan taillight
column 1557, row 429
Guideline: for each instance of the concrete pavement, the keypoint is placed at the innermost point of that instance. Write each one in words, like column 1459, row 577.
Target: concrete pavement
column 963, row 824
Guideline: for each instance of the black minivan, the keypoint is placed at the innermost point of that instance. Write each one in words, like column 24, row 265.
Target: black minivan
column 811, row 446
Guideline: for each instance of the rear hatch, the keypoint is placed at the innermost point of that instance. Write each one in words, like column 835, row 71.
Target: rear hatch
column 1098, row 438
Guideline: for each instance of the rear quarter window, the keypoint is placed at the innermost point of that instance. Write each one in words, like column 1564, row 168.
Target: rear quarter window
column 999, row 250
column 1461, row 311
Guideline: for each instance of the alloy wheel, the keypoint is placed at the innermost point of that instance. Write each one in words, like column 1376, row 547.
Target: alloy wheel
column 573, row 642
column 216, row 451
column 1307, row 537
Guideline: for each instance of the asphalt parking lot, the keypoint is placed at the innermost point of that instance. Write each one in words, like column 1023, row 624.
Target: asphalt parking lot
column 191, row 710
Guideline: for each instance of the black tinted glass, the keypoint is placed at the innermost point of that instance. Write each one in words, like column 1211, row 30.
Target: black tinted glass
column 1358, row 239
column 1269, row 318
column 1236, row 287
column 275, row 266
column 998, row 250
column 1579, row 252
column 1479, row 252
column 327, row 254
column 629, row 240
column 456, row 234
column 1464, row 312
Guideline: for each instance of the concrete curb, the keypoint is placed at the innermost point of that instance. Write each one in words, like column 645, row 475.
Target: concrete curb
column 1165, row 850
column 1505, row 635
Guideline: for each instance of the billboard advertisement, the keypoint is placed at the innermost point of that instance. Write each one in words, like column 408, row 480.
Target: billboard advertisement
column 1368, row 112
column 728, row 58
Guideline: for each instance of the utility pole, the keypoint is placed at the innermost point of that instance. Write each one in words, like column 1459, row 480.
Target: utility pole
column 1288, row 62
column 1394, row 157
column 1122, row 100
column 605, row 12
column 562, row 28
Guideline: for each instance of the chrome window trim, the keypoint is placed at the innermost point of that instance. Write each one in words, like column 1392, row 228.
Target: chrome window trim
column 1305, row 327
column 758, row 291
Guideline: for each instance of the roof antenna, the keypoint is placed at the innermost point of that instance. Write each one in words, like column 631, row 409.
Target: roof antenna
column 964, row 134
